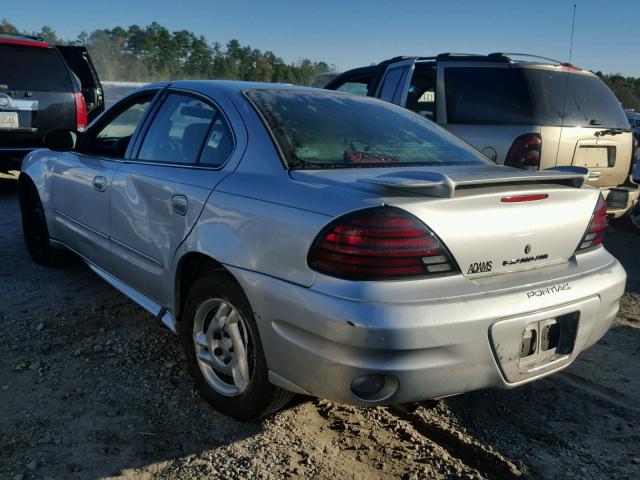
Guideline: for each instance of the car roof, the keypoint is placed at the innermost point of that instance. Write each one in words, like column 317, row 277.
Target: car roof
column 231, row 87
column 234, row 89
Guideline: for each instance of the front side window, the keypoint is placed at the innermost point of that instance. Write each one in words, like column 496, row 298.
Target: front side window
column 112, row 138
column 330, row 130
column 178, row 131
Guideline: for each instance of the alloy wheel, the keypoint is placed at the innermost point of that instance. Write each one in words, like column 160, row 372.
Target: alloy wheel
column 223, row 347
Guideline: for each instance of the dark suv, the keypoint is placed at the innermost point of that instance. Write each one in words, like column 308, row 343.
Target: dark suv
column 43, row 88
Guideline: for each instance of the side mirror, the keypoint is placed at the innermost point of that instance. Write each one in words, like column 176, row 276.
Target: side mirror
column 490, row 153
column 61, row 140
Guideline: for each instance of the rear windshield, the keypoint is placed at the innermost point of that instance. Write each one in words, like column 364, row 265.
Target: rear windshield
column 34, row 69
column 332, row 130
column 528, row 96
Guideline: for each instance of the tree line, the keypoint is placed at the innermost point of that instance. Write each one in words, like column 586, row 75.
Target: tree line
column 627, row 89
column 153, row 53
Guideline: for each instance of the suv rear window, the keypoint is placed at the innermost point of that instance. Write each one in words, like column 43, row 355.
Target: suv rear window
column 34, row 69
column 333, row 130
column 529, row 96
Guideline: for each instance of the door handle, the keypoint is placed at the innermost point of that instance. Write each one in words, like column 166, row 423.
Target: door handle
column 179, row 204
column 100, row 183
column 594, row 175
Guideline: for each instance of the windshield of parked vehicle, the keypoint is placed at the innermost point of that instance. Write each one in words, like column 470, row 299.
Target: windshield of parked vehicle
column 33, row 69
column 333, row 130
column 530, row 96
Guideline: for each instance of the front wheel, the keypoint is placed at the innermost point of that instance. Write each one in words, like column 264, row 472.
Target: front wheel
column 224, row 352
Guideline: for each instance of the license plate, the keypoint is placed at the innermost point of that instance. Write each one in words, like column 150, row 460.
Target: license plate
column 9, row 120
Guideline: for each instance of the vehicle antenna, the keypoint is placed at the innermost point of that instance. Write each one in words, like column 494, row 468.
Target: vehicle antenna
column 573, row 24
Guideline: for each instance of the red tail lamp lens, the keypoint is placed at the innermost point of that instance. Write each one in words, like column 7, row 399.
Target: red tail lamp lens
column 525, row 152
column 81, row 112
column 597, row 227
column 379, row 243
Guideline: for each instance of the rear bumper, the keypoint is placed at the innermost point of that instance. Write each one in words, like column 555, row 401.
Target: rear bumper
column 621, row 200
column 319, row 343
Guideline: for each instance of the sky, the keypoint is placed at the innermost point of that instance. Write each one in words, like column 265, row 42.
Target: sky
column 354, row 33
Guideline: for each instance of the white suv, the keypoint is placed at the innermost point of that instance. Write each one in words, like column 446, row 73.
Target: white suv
column 528, row 114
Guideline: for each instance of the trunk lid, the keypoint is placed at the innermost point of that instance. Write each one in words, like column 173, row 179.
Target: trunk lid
column 474, row 212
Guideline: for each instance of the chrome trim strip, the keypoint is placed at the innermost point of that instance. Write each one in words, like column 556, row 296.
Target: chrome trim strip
column 21, row 106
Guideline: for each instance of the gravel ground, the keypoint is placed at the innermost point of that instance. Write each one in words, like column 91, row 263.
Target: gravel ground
column 92, row 387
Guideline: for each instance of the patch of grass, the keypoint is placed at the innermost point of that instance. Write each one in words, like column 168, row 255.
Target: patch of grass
column 23, row 365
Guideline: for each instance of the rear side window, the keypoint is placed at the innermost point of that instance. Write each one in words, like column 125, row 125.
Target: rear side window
column 178, row 130
column 219, row 144
column 33, row 69
column 504, row 96
column 528, row 96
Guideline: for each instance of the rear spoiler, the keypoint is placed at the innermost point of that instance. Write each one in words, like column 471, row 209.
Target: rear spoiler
column 436, row 184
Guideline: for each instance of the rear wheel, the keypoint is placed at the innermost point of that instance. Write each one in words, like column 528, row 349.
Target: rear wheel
column 34, row 227
column 224, row 353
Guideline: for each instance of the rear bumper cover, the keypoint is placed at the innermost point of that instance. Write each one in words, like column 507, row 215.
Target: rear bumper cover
column 621, row 200
column 318, row 343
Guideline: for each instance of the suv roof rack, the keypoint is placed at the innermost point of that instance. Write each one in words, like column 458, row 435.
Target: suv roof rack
column 470, row 57
column 475, row 57
column 528, row 55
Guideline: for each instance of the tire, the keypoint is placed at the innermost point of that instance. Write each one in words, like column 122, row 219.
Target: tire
column 34, row 228
column 217, row 331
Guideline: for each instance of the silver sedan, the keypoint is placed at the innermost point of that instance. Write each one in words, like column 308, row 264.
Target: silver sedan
column 301, row 240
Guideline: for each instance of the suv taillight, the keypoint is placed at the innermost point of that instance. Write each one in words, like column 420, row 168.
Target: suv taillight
column 81, row 112
column 597, row 227
column 379, row 243
column 525, row 152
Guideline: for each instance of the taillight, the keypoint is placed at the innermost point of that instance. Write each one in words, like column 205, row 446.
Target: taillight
column 81, row 112
column 597, row 227
column 379, row 243
column 525, row 152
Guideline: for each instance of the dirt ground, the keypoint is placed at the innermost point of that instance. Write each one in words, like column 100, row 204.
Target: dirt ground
column 92, row 387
